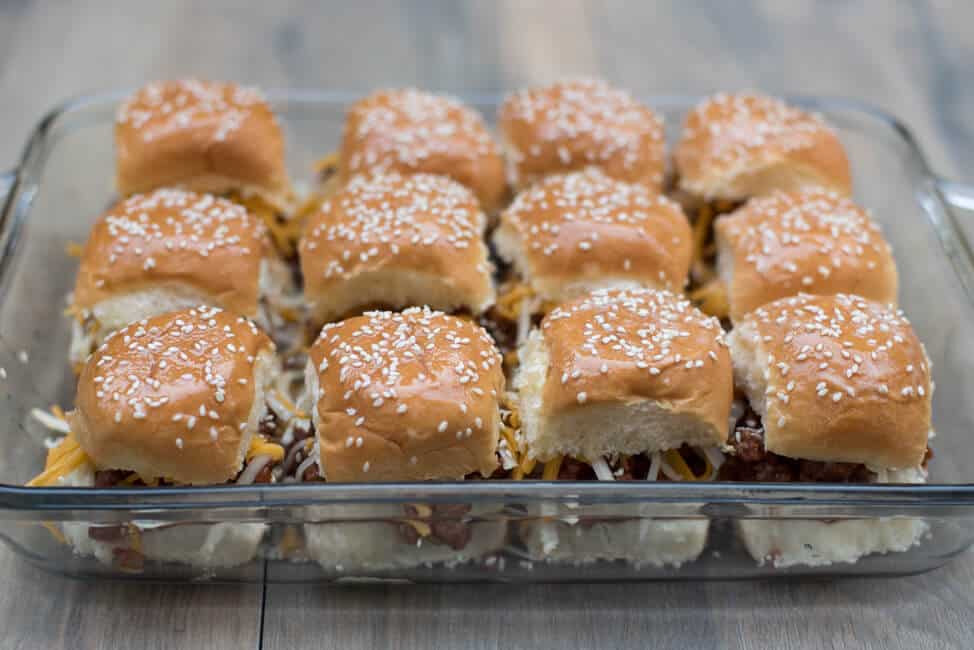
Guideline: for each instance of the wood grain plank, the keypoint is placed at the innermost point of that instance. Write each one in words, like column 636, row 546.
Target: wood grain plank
column 41, row 610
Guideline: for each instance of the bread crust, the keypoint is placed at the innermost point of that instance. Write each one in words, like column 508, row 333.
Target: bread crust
column 576, row 230
column 201, row 135
column 813, row 241
column 407, row 396
column 836, row 378
column 423, row 225
column 410, row 131
column 574, row 124
column 168, row 237
column 738, row 145
column 173, row 396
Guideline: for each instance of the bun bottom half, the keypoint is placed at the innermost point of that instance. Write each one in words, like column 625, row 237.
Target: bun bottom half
column 210, row 546
column 818, row 543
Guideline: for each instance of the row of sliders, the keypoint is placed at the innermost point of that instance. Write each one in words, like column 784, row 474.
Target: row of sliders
column 612, row 373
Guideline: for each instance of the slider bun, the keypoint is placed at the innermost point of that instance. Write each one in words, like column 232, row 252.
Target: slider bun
column 570, row 125
column 813, row 241
column 168, row 250
column 643, row 541
column 349, row 547
column 624, row 372
column 190, row 387
column 410, row 131
column 408, row 396
column 735, row 146
column 573, row 233
column 396, row 241
column 836, row 378
column 212, row 545
column 206, row 136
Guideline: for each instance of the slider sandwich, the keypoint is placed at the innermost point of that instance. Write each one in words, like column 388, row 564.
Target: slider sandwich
column 838, row 390
column 573, row 233
column 411, row 396
column 207, row 136
column 408, row 131
column 175, row 399
column 735, row 146
column 173, row 249
column 813, row 241
column 392, row 241
column 631, row 385
column 572, row 125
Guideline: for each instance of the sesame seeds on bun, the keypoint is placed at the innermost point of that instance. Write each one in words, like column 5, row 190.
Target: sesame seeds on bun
column 176, row 396
column 409, row 131
column 624, row 372
column 405, row 396
column 396, row 241
column 576, row 232
column 187, row 245
column 570, row 125
column 202, row 135
column 813, row 241
column 836, row 378
column 735, row 146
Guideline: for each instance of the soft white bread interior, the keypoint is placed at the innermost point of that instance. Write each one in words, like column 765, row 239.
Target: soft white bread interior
column 355, row 547
column 653, row 542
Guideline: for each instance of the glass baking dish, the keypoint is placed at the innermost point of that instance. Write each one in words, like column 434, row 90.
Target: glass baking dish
column 64, row 181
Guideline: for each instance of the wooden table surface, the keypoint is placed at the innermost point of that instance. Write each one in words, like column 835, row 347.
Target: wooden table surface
column 915, row 59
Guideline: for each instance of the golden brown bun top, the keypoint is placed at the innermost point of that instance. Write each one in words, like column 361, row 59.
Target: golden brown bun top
column 203, row 135
column 735, row 146
column 586, row 225
column 170, row 396
column 622, row 345
column 847, row 380
column 171, row 237
column 406, row 396
column 420, row 223
column 581, row 123
column 409, row 131
column 812, row 241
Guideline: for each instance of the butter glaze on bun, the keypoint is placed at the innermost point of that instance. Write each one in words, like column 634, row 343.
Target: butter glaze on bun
column 571, row 125
column 396, row 241
column 408, row 396
column 177, row 396
column 836, row 378
column 576, row 232
column 409, row 131
column 170, row 249
column 812, row 241
column 205, row 136
column 735, row 146
column 624, row 372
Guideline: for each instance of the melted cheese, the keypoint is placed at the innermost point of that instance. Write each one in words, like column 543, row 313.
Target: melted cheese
column 510, row 299
column 551, row 469
column 259, row 446
column 712, row 299
column 284, row 232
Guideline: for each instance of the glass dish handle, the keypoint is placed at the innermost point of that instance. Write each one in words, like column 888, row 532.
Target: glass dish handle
column 959, row 196
column 7, row 179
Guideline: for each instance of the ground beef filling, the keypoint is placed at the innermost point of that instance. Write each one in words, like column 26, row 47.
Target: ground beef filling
column 751, row 462
column 446, row 523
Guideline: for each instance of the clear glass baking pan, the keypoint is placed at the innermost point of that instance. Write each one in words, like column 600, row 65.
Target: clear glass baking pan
column 64, row 181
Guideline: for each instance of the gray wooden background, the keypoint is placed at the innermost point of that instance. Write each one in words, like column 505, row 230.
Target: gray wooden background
column 914, row 58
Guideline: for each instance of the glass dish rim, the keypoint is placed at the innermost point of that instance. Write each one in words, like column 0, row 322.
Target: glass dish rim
column 165, row 503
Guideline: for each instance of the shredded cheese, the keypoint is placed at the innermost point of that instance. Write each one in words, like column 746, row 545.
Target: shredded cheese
column 712, row 298
column 259, row 446
column 551, row 469
column 677, row 463
column 524, row 469
column 65, row 463
column 73, row 249
column 511, row 298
